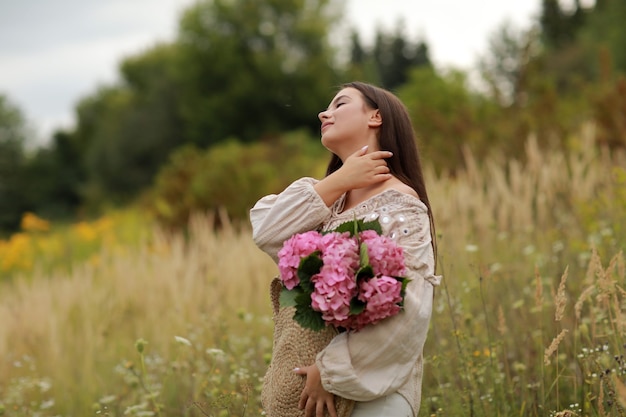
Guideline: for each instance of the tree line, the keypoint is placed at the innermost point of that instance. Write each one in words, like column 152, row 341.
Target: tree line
column 243, row 81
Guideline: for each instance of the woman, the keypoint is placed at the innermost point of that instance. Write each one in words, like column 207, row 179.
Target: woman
column 374, row 173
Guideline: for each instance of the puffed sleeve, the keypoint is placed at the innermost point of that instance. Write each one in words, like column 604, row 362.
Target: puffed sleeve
column 379, row 359
column 276, row 217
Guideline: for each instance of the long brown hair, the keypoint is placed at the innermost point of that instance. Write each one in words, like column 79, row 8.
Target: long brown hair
column 396, row 135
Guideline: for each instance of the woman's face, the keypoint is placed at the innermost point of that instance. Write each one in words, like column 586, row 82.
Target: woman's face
column 348, row 124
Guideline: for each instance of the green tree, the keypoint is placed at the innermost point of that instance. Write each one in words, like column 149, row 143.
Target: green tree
column 395, row 56
column 604, row 29
column 389, row 61
column 54, row 175
column 505, row 66
column 253, row 68
column 241, row 68
column 559, row 26
column 127, row 131
column 361, row 65
column 13, row 136
column 448, row 116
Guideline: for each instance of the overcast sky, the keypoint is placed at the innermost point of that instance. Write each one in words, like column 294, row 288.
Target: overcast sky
column 52, row 53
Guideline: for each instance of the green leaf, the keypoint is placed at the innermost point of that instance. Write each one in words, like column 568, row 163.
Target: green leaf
column 309, row 318
column 364, row 272
column 356, row 306
column 405, row 281
column 345, row 227
column 308, row 267
column 373, row 225
column 303, row 299
column 287, row 297
column 356, row 226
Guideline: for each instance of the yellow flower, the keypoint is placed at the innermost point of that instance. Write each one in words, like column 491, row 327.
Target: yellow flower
column 85, row 232
column 17, row 253
column 31, row 223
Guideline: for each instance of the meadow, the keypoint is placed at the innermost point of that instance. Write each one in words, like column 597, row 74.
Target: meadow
column 119, row 317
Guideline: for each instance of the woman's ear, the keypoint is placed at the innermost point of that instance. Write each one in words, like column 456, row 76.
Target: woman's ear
column 375, row 119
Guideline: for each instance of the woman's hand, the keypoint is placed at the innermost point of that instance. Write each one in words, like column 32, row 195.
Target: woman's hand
column 359, row 170
column 362, row 169
column 314, row 398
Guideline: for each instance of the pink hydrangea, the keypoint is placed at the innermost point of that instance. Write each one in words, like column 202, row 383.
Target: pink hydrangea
column 296, row 247
column 335, row 285
column 386, row 257
column 332, row 294
column 340, row 251
column 382, row 295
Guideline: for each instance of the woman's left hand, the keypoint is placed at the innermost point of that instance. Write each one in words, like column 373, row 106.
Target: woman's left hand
column 314, row 398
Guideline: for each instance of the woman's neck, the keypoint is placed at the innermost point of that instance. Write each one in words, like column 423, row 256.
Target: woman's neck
column 359, row 195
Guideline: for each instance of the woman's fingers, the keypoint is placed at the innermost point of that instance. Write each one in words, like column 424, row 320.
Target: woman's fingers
column 331, row 408
column 381, row 155
column 373, row 155
column 382, row 169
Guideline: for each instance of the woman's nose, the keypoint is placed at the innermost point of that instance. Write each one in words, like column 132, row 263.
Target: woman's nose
column 323, row 115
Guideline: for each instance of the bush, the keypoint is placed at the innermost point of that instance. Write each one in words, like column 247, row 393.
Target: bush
column 230, row 177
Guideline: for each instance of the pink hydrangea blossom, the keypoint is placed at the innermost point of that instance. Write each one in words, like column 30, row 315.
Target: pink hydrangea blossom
column 332, row 294
column 386, row 257
column 294, row 249
column 382, row 295
column 335, row 285
column 340, row 251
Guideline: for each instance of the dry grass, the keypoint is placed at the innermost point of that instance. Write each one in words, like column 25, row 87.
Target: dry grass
column 77, row 327
column 508, row 232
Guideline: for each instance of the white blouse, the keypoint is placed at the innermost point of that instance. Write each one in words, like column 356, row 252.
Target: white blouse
column 386, row 357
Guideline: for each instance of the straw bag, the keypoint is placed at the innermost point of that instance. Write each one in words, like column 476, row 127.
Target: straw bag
column 294, row 347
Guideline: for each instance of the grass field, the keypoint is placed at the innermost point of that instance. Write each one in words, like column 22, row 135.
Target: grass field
column 529, row 321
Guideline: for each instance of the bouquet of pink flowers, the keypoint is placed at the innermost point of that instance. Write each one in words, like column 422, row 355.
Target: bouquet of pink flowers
column 349, row 277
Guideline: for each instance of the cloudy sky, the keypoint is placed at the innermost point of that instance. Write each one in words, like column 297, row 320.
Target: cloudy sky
column 52, row 53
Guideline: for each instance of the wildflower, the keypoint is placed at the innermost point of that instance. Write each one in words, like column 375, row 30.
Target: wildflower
column 215, row 352
column 140, row 345
column 31, row 223
column 182, row 340
column 85, row 231
column 471, row 248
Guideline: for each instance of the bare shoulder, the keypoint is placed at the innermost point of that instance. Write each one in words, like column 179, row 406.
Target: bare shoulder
column 396, row 184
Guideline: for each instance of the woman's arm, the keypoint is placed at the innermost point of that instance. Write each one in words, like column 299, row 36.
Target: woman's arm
column 379, row 359
column 277, row 217
column 304, row 205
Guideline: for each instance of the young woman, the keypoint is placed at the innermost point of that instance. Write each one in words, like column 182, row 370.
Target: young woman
column 374, row 173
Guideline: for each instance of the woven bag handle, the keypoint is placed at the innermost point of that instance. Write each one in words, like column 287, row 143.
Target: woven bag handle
column 275, row 288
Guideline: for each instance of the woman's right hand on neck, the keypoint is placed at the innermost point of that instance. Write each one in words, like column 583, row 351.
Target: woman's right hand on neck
column 359, row 170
